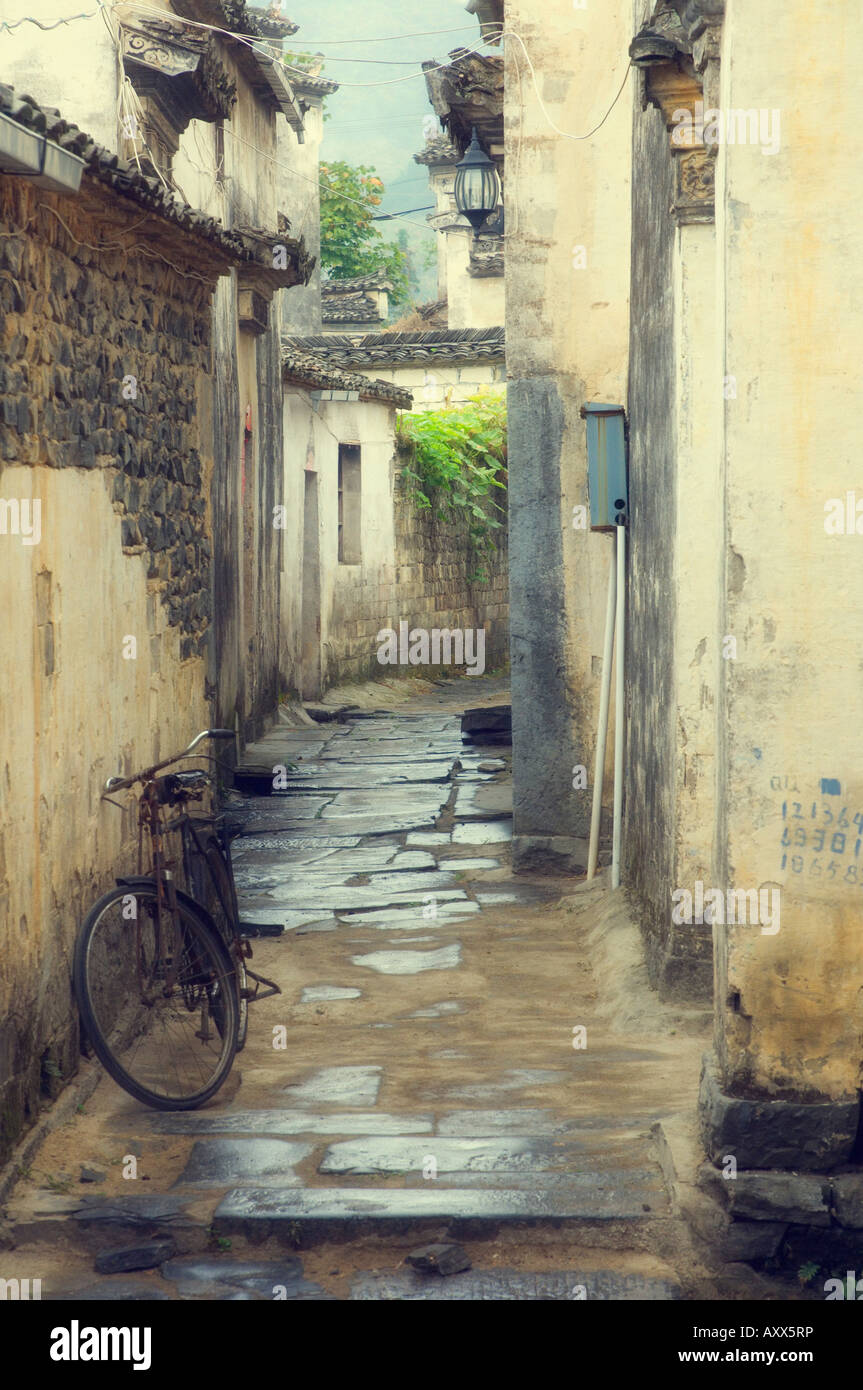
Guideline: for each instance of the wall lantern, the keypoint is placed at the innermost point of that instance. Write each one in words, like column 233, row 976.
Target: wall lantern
column 477, row 185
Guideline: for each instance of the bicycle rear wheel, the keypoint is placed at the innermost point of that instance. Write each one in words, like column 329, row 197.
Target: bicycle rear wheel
column 157, row 998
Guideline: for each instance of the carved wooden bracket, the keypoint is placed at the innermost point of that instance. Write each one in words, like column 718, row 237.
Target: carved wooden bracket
column 676, row 81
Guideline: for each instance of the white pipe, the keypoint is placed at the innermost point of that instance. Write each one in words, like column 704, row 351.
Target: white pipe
column 602, row 731
column 618, row 705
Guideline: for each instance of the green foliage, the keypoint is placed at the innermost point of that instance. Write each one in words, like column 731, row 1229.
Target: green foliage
column 806, row 1273
column 351, row 243
column 454, row 459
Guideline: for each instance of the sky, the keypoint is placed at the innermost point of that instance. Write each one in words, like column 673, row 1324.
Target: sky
column 381, row 125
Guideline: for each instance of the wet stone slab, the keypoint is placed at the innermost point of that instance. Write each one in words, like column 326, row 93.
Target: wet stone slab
column 334, row 1210
column 337, row 1086
column 513, row 1080
column 410, row 918
column 290, row 1123
column 324, row 994
column 358, row 775
column 497, row 1285
column 516, row 893
column 226, row 1162
column 482, row 832
column 287, row 846
column 490, row 1154
column 468, row 1123
column 410, row 962
column 467, row 865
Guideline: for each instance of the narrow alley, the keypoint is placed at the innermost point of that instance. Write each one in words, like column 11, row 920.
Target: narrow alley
column 422, row 1077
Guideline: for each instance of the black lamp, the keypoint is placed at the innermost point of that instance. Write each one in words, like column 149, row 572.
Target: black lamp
column 477, row 185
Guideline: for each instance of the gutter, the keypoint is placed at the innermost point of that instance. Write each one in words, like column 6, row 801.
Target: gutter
column 38, row 158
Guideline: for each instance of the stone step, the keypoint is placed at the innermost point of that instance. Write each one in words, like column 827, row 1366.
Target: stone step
column 305, row 1216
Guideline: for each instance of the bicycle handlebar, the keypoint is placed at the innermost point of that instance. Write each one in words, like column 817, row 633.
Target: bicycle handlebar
column 114, row 784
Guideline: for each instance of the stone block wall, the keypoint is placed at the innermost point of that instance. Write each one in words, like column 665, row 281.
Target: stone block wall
column 432, row 583
column 104, row 357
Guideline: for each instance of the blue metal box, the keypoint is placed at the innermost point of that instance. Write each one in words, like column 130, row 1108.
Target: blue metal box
column 606, row 465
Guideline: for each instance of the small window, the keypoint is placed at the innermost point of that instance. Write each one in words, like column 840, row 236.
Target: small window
column 350, row 504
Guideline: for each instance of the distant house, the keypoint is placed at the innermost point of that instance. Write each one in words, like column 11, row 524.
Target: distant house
column 355, row 305
column 440, row 366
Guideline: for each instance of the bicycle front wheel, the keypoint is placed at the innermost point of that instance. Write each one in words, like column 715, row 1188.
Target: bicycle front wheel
column 157, row 997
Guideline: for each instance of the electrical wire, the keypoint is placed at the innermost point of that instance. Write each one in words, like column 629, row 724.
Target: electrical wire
column 331, row 188
column 567, row 135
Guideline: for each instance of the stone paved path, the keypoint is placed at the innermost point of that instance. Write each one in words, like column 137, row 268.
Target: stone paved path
column 416, row 1080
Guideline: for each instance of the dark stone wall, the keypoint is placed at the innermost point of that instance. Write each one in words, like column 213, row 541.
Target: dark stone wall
column 543, row 711
column 100, row 355
column 438, row 581
column 675, row 955
column 76, row 324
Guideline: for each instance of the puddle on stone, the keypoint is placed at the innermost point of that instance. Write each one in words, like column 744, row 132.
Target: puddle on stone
column 423, row 838
column 323, row 993
column 410, row 962
column 446, row 1006
column 482, row 833
column 513, row 1080
column 463, row 865
column 337, row 1086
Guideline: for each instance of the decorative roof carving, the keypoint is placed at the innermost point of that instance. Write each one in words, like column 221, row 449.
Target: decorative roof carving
column 179, row 69
column 468, row 92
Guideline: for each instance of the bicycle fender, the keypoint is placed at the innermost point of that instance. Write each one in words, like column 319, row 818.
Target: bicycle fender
column 141, row 881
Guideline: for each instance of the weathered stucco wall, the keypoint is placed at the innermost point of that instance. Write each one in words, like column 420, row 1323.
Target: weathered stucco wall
column 567, row 307
column 791, row 239
column 107, row 617
column 445, row 384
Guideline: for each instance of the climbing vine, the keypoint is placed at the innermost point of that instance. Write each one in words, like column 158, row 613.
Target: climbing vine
column 454, row 462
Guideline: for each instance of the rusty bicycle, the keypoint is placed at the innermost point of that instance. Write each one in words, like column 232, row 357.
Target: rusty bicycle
column 160, row 968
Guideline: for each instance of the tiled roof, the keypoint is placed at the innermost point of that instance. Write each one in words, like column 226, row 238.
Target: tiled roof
column 438, row 150
column 352, row 308
column 304, row 84
column 235, row 15
column 125, row 179
column 376, row 280
column 439, row 344
column 304, row 368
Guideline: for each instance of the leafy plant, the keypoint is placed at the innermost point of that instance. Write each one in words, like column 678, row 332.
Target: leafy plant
column 454, row 459
column 806, row 1273
column 351, row 243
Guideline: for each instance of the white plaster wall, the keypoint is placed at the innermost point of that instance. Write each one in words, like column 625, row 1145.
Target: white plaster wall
column 62, row 734
column 791, row 236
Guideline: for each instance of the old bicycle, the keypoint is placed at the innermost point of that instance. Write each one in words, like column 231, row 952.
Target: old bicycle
column 160, row 969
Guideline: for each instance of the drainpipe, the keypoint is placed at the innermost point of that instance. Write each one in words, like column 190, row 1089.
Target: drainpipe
column 618, row 705
column 602, row 731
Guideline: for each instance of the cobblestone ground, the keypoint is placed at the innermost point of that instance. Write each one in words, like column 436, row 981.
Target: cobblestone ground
column 421, row 1077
